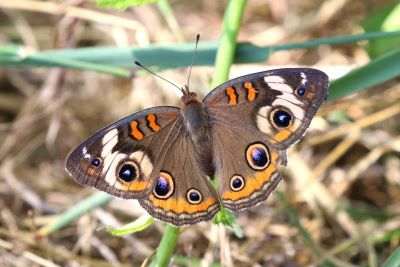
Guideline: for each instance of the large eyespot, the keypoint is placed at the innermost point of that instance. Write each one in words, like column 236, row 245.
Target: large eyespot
column 128, row 171
column 301, row 91
column 281, row 118
column 194, row 196
column 237, row 183
column 257, row 156
column 164, row 186
column 96, row 162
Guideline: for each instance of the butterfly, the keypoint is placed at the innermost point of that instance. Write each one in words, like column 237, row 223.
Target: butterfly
column 166, row 156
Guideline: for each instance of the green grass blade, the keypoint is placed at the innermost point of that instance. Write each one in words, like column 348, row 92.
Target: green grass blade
column 138, row 225
column 18, row 56
column 385, row 19
column 295, row 221
column 83, row 207
column 122, row 4
column 377, row 71
column 165, row 56
column 336, row 40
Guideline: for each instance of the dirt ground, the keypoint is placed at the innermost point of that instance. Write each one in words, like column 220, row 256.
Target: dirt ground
column 338, row 204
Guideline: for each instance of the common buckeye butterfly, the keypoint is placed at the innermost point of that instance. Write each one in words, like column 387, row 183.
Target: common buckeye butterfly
column 163, row 156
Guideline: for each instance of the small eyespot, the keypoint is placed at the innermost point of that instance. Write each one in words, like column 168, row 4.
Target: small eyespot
column 281, row 118
column 96, row 162
column 164, row 186
column 194, row 196
column 257, row 156
column 237, row 183
column 128, row 172
column 301, row 91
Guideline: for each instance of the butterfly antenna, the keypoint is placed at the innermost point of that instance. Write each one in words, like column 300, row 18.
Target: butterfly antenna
column 193, row 58
column 162, row 78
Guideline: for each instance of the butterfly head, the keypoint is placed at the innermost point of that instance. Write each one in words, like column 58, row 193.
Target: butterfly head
column 188, row 97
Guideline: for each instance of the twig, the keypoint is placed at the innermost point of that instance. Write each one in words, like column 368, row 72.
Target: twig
column 377, row 117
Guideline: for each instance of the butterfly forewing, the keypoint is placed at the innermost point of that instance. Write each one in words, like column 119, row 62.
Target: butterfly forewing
column 277, row 105
column 122, row 158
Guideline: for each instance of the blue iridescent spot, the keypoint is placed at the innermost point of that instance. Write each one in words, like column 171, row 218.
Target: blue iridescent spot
column 162, row 187
column 259, row 157
column 95, row 162
column 194, row 196
column 282, row 118
column 301, row 91
column 127, row 172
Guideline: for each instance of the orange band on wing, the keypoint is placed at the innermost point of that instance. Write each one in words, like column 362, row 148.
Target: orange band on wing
column 135, row 132
column 135, row 186
column 310, row 96
column 253, row 183
column 181, row 205
column 284, row 134
column 230, row 91
column 152, row 123
column 251, row 91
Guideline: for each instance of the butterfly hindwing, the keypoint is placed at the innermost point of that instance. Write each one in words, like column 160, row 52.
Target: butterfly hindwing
column 249, row 174
column 181, row 194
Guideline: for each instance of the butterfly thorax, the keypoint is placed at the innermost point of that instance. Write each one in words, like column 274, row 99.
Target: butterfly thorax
column 197, row 126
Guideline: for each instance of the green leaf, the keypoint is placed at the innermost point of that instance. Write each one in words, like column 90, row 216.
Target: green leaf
column 386, row 20
column 377, row 71
column 393, row 260
column 140, row 224
column 122, row 4
column 392, row 21
column 227, row 218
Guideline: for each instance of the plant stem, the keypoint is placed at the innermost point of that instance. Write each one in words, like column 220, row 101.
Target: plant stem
column 166, row 247
column 227, row 46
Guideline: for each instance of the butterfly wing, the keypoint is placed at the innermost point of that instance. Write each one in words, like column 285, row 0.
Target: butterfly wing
column 246, row 168
column 120, row 158
column 147, row 156
column 254, row 118
column 182, row 194
column 278, row 103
